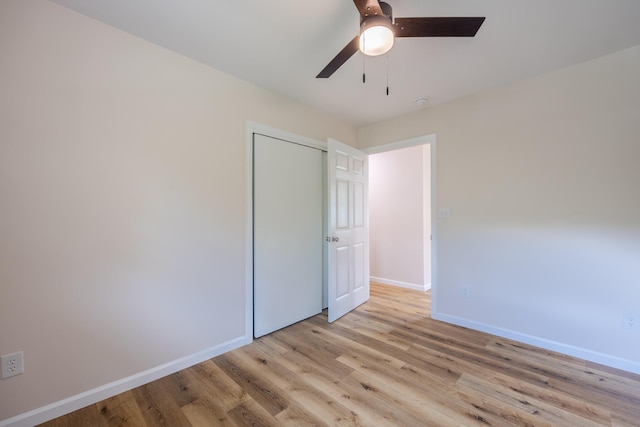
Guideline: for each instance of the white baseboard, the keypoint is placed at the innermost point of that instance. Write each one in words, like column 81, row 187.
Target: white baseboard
column 73, row 403
column 401, row 284
column 592, row 356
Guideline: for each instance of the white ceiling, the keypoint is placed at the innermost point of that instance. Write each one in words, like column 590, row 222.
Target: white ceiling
column 282, row 45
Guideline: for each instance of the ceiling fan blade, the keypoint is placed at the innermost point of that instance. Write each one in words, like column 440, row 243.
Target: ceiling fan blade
column 368, row 7
column 346, row 53
column 437, row 27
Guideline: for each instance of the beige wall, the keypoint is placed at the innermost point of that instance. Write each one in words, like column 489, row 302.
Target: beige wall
column 542, row 178
column 122, row 201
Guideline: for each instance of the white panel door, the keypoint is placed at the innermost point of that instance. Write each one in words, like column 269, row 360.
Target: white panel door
column 288, row 239
column 348, row 260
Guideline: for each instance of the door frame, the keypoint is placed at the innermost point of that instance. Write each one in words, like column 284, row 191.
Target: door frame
column 429, row 139
column 250, row 129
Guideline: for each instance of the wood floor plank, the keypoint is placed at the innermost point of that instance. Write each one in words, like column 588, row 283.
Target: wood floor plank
column 269, row 397
column 270, row 346
column 387, row 363
column 410, row 356
column 89, row 416
column 560, row 400
column 306, row 403
column 473, row 358
column 375, row 330
column 215, row 384
column 157, row 403
column 368, row 406
column 122, row 410
column 516, row 408
column 402, row 407
column 573, row 371
column 250, row 413
column 313, row 350
column 418, row 397
column 206, row 412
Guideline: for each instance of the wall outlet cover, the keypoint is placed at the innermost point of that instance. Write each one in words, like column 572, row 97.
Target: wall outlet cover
column 630, row 321
column 12, row 364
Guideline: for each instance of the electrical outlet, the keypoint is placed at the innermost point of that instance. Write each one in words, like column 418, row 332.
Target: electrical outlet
column 12, row 364
column 630, row 321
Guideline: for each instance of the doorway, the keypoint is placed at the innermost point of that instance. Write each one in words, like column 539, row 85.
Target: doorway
column 402, row 181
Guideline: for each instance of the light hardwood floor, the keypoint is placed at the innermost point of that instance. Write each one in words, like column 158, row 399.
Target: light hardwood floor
column 386, row 363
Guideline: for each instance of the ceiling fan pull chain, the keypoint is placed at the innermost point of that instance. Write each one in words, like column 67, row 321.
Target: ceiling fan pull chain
column 364, row 78
column 387, row 74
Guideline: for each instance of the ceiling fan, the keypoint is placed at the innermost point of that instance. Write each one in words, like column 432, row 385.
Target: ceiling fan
column 378, row 31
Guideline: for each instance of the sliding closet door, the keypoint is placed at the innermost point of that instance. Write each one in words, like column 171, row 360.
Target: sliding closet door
column 288, row 244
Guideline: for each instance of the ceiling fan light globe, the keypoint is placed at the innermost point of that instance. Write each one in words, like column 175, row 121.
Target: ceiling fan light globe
column 376, row 35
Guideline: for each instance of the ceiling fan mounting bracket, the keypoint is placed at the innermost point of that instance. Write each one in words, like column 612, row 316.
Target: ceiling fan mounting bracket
column 387, row 11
